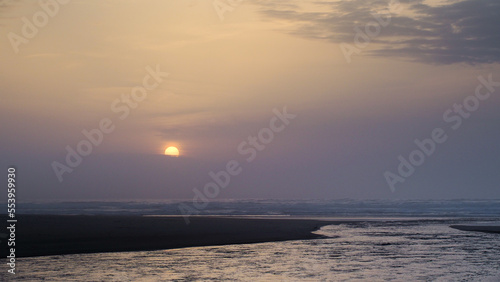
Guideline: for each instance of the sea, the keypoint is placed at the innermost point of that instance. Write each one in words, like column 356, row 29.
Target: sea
column 381, row 240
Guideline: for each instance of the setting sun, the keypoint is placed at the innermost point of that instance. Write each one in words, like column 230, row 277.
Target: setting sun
column 172, row 151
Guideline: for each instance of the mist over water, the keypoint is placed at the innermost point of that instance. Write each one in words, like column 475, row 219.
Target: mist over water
column 330, row 208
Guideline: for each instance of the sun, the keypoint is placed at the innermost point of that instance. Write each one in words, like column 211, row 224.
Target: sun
column 172, row 151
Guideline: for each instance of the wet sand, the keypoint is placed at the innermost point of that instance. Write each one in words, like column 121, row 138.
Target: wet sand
column 478, row 228
column 42, row 235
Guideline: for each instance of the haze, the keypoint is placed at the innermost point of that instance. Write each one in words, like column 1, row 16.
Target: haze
column 354, row 116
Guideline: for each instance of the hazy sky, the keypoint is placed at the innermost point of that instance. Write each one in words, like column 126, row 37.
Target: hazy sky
column 362, row 91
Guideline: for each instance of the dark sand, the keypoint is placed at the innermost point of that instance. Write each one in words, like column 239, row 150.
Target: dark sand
column 42, row 235
column 479, row 228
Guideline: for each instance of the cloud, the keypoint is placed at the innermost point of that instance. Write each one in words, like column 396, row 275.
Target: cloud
column 451, row 32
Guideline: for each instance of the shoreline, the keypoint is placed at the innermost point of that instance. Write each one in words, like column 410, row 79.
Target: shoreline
column 46, row 235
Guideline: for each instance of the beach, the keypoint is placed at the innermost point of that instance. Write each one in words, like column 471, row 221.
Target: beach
column 478, row 228
column 146, row 241
column 43, row 235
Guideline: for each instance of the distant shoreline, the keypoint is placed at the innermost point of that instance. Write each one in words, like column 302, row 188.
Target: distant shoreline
column 45, row 235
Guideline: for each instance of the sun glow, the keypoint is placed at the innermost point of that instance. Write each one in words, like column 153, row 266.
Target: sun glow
column 172, row 151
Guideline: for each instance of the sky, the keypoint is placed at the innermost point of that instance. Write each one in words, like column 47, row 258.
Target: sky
column 297, row 99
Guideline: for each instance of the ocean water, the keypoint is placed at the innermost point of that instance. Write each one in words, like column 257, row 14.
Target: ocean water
column 390, row 241
column 323, row 208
